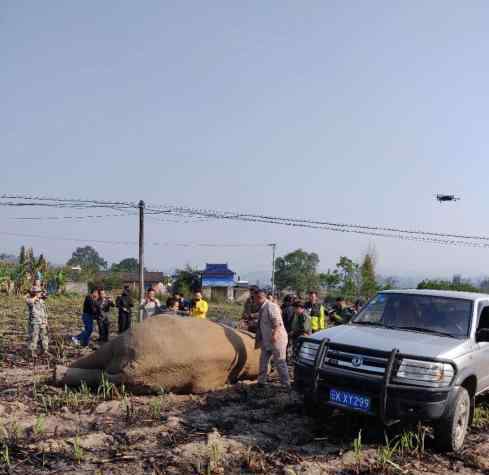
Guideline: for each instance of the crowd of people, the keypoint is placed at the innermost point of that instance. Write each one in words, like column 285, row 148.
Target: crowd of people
column 276, row 327
column 97, row 307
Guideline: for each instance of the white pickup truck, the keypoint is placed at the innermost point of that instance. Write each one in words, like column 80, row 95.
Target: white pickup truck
column 420, row 354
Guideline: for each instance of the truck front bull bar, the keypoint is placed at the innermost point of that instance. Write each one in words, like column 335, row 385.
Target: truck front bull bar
column 386, row 382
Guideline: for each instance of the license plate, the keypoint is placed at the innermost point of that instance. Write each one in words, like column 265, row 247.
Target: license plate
column 350, row 400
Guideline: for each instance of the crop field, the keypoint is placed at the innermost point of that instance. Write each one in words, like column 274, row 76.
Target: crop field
column 239, row 430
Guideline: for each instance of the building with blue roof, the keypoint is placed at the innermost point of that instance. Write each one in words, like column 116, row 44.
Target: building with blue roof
column 218, row 282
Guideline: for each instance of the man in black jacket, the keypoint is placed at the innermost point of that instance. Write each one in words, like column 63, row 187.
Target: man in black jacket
column 124, row 303
column 105, row 303
column 90, row 313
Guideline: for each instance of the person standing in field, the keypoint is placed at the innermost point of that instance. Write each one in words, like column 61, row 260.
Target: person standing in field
column 199, row 306
column 341, row 313
column 38, row 321
column 301, row 323
column 90, row 313
column 124, row 304
column 288, row 311
column 316, row 312
column 105, row 303
column 272, row 339
column 249, row 318
column 150, row 305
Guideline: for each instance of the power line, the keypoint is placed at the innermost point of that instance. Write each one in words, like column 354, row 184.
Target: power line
column 69, row 201
column 275, row 220
column 49, row 218
column 131, row 243
column 376, row 231
column 58, row 238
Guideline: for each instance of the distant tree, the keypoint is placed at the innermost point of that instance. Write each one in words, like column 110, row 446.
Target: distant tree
column 130, row 264
column 110, row 281
column 9, row 258
column 369, row 284
column 330, row 280
column 457, row 283
column 484, row 285
column 22, row 255
column 41, row 265
column 23, row 272
column 350, row 278
column 88, row 259
column 297, row 270
column 186, row 281
column 389, row 283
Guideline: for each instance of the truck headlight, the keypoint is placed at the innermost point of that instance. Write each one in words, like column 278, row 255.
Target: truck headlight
column 425, row 373
column 307, row 353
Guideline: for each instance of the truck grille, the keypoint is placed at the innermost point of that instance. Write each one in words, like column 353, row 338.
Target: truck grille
column 356, row 359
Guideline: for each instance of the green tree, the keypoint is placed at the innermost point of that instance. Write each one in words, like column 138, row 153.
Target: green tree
column 330, row 280
column 186, row 281
column 22, row 255
column 369, row 285
column 349, row 276
column 88, row 259
column 297, row 270
column 457, row 283
column 22, row 275
column 41, row 265
column 130, row 264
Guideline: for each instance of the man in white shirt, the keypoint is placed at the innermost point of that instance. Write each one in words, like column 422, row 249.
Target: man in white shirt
column 150, row 305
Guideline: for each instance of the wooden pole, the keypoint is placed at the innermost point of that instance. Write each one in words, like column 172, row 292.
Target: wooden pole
column 141, row 256
column 274, row 246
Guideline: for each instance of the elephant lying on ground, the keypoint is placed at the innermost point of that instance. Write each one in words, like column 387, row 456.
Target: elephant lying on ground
column 170, row 353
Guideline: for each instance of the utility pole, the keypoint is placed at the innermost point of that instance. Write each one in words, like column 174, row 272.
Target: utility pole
column 274, row 246
column 141, row 256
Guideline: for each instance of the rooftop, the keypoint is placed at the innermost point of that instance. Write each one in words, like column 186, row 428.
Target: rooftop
column 218, row 269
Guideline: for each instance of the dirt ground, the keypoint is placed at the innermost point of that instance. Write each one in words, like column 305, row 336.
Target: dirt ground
column 241, row 429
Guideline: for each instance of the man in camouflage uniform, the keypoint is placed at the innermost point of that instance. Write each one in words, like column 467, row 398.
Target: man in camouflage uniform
column 38, row 320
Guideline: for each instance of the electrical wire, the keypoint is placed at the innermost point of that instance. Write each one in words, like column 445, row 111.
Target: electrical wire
column 131, row 243
column 195, row 213
column 50, row 218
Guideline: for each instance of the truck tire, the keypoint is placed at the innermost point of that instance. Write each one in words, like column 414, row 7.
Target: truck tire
column 451, row 429
column 316, row 411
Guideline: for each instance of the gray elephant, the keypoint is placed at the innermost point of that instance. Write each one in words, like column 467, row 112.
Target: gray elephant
column 170, row 353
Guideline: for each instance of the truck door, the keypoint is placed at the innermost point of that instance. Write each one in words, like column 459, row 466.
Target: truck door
column 482, row 357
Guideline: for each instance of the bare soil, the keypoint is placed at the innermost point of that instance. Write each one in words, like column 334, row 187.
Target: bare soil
column 241, row 429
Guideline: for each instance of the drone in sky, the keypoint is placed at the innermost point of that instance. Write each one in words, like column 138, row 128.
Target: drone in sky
column 444, row 198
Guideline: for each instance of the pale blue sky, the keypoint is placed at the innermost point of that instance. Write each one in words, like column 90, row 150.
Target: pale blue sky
column 350, row 111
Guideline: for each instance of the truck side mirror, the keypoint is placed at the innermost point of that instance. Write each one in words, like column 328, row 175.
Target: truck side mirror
column 482, row 335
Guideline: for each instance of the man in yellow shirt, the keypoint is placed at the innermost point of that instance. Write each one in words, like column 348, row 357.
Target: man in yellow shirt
column 199, row 306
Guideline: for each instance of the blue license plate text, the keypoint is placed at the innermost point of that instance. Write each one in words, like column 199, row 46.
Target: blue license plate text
column 350, row 400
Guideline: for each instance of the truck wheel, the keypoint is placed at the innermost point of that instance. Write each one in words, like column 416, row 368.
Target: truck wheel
column 451, row 429
column 316, row 411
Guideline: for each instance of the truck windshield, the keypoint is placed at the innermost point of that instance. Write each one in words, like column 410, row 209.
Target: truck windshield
column 423, row 313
